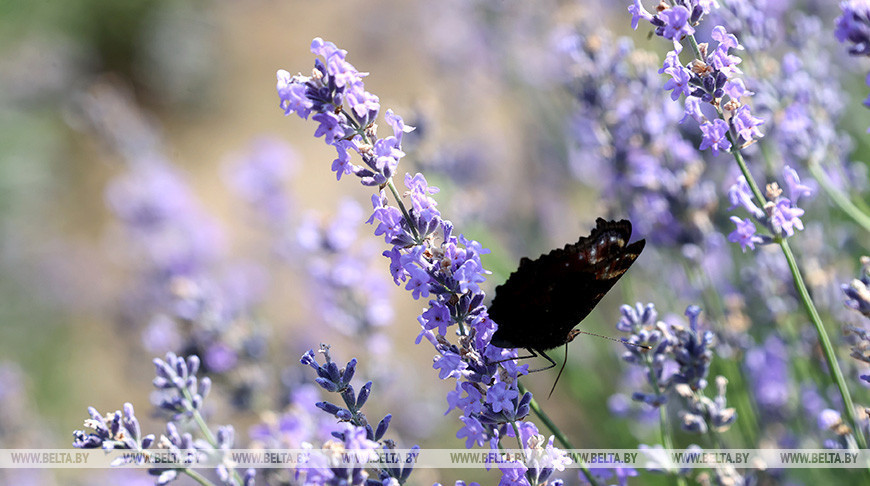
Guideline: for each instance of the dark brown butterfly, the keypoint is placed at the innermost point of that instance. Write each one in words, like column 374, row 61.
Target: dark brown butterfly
column 539, row 305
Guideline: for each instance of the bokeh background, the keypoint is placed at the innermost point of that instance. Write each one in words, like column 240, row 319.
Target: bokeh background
column 92, row 90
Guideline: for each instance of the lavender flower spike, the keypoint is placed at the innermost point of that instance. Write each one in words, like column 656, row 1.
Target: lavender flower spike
column 427, row 256
column 183, row 391
column 118, row 430
column 858, row 290
column 853, row 26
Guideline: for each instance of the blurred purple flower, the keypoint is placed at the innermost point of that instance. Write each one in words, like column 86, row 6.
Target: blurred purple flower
column 744, row 234
column 259, row 174
column 858, row 290
column 853, row 26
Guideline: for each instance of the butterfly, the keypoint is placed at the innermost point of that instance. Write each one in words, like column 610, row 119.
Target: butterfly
column 541, row 302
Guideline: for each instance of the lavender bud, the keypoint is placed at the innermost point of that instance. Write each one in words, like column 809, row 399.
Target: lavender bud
column 383, row 425
column 364, row 394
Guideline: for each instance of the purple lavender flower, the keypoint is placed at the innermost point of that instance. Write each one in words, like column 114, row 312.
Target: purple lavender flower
column 638, row 12
column 646, row 332
column 858, row 291
column 689, row 349
column 342, row 165
column 118, row 430
column 715, row 136
column 334, row 85
column 736, row 89
column 292, row 94
column 853, row 26
column 744, row 234
column 183, row 392
column 780, row 215
column 354, row 431
column 258, row 177
column 720, row 59
column 746, row 125
column 679, row 83
column 122, row 431
column 785, row 217
column 427, row 257
column 711, row 76
column 767, row 367
column 740, row 195
column 676, row 25
column 692, row 352
column 796, row 190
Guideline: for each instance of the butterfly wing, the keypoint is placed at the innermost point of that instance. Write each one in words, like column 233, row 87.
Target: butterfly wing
column 545, row 298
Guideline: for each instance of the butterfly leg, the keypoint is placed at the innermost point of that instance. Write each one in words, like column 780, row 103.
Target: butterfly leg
column 543, row 355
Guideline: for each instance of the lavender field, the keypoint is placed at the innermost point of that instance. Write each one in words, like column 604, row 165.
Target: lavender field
column 280, row 226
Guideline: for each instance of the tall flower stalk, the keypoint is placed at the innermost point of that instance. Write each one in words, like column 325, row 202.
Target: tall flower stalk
column 427, row 257
column 708, row 81
column 181, row 394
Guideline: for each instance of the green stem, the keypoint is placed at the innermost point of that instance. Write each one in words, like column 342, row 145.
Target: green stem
column 827, row 349
column 361, row 132
column 401, row 205
column 554, row 429
column 664, row 421
column 200, row 422
column 199, row 478
column 841, row 200
column 695, row 49
column 744, row 169
column 517, row 433
column 804, row 295
column 206, row 431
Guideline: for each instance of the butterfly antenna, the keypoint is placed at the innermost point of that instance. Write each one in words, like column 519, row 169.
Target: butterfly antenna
column 564, row 362
column 621, row 341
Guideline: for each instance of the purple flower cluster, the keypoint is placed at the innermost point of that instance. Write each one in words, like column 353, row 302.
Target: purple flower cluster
column 170, row 232
column 710, row 78
column 861, row 349
column 858, row 290
column 355, row 432
column 193, row 306
column 328, row 467
column 187, row 298
column 346, row 113
column 343, row 290
column 348, row 295
column 767, row 367
column 258, row 176
column 853, row 26
column 628, row 143
column 780, row 215
column 299, row 425
column 677, row 360
column 182, row 394
column 426, row 256
column 118, row 430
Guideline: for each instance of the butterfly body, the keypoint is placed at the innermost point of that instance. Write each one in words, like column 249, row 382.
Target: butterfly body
column 539, row 305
